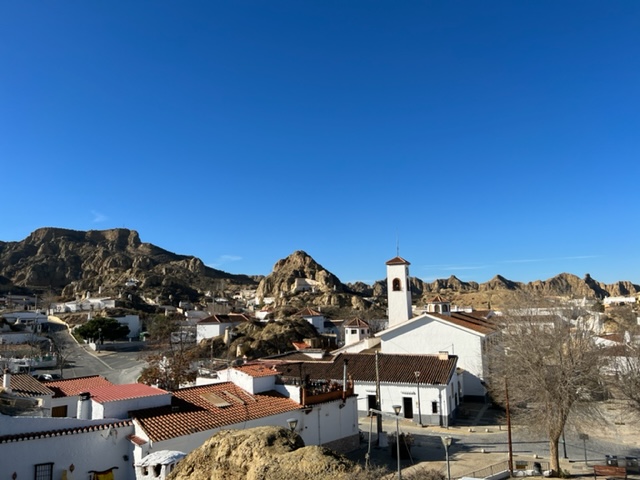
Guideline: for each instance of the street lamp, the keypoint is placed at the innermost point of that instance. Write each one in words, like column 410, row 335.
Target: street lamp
column 417, row 374
column 396, row 410
column 293, row 423
column 584, row 437
column 446, row 441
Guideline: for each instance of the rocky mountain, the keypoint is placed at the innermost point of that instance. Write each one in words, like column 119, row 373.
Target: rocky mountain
column 70, row 263
column 298, row 281
column 264, row 453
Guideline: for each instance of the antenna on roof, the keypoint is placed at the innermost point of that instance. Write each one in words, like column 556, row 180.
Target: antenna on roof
column 397, row 245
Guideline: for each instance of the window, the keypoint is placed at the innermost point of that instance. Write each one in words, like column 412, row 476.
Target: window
column 44, row 471
column 354, row 331
column 434, row 407
column 396, row 285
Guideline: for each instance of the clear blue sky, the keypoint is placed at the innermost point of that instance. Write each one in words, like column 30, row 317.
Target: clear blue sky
column 488, row 137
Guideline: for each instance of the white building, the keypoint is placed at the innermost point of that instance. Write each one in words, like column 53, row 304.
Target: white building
column 355, row 330
column 462, row 334
column 398, row 291
column 145, row 419
column 316, row 319
column 426, row 386
column 215, row 325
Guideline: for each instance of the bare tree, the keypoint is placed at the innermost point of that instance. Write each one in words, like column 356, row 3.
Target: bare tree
column 171, row 362
column 626, row 366
column 551, row 364
column 61, row 348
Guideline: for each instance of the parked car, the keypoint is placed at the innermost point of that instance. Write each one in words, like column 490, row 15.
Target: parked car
column 47, row 377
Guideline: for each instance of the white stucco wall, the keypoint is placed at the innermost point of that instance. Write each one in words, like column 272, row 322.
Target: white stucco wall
column 121, row 408
column 322, row 424
column 394, row 394
column 134, row 324
column 429, row 335
column 98, row 450
column 399, row 301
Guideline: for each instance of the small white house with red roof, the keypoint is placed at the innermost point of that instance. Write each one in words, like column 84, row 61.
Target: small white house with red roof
column 316, row 319
column 356, row 330
column 215, row 325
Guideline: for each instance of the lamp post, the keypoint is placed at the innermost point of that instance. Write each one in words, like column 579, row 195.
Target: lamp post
column 396, row 410
column 584, row 437
column 99, row 337
column 446, row 441
column 417, row 374
column 293, row 423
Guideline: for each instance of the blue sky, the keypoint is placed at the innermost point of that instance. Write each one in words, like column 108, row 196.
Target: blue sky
column 483, row 137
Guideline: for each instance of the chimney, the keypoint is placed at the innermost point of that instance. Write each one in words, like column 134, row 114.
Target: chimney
column 84, row 406
column 6, row 380
column 443, row 355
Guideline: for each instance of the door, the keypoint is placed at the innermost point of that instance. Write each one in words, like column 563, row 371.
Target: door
column 371, row 403
column 407, row 406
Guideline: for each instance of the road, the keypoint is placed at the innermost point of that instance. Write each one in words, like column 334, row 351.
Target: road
column 476, row 447
column 118, row 366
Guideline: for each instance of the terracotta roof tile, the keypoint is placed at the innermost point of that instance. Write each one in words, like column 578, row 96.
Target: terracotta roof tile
column 468, row 320
column 398, row 261
column 112, row 393
column 308, row 312
column 26, row 386
column 66, row 431
column 256, row 370
column 76, row 386
column 191, row 412
column 221, row 319
column 393, row 368
column 357, row 322
column 137, row 440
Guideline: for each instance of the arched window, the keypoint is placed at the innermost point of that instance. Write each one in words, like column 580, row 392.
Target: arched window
column 396, row 285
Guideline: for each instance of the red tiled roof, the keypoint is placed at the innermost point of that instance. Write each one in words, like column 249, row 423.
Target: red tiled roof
column 467, row 320
column 58, row 433
column 393, row 368
column 439, row 299
column 76, row 386
column 301, row 345
column 230, row 318
column 112, row 393
column 308, row 312
column 398, row 261
column 26, row 386
column 357, row 322
column 137, row 440
column 191, row 412
column 254, row 370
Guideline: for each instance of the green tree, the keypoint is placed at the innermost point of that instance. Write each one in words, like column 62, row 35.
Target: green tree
column 102, row 328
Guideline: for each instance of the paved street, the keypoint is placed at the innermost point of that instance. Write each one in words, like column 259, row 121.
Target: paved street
column 121, row 366
column 479, row 445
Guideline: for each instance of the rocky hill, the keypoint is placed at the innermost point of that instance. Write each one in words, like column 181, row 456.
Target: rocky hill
column 72, row 262
column 264, row 453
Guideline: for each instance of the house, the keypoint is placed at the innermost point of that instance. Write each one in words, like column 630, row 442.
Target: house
column 66, row 393
column 244, row 397
column 23, row 390
column 428, row 387
column 316, row 319
column 461, row 334
column 355, row 330
column 215, row 325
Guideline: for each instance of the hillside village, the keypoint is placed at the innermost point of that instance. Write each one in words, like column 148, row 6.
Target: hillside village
column 332, row 356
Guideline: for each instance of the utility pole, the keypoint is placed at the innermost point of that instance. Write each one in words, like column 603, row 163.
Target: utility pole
column 506, row 394
column 378, row 403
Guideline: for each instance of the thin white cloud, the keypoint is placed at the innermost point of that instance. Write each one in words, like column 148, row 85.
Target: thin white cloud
column 223, row 260
column 98, row 217
column 455, row 267
column 533, row 260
